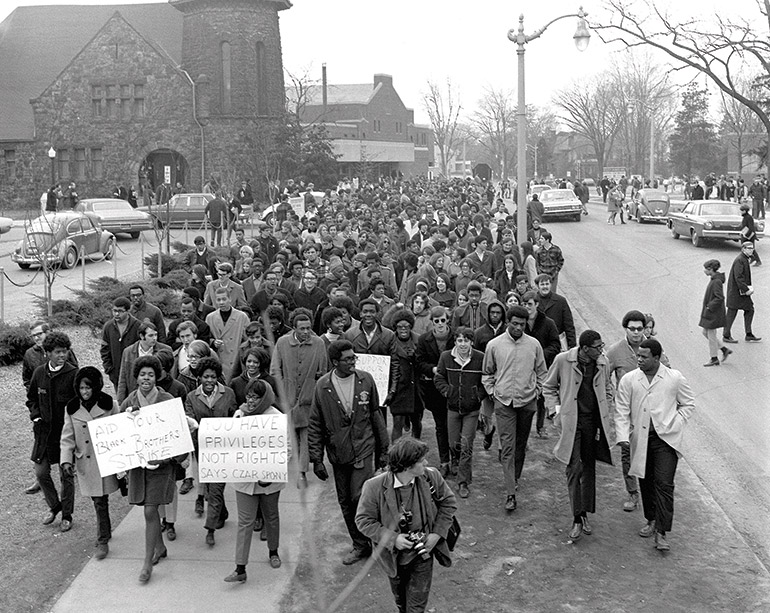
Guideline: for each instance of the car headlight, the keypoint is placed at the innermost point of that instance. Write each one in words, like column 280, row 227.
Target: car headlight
column 761, row 226
column 708, row 225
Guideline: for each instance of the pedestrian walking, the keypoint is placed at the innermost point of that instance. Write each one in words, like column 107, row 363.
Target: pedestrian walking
column 712, row 315
column 739, row 292
column 652, row 406
column 579, row 394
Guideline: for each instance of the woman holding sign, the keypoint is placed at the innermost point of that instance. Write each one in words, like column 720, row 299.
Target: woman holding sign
column 76, row 448
column 258, row 496
column 153, row 485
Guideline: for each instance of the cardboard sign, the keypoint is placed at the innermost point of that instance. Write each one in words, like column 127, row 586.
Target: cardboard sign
column 243, row 449
column 379, row 367
column 298, row 204
column 130, row 440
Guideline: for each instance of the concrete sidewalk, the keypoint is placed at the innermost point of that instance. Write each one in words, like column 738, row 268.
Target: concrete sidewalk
column 191, row 578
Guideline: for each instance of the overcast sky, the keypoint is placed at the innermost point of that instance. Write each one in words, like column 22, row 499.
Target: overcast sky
column 418, row 40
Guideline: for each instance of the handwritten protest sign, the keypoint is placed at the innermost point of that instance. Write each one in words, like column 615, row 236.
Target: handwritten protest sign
column 243, row 449
column 298, row 204
column 379, row 367
column 125, row 441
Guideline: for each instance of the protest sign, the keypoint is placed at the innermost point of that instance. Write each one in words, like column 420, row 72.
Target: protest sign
column 243, row 449
column 129, row 440
column 298, row 204
column 379, row 367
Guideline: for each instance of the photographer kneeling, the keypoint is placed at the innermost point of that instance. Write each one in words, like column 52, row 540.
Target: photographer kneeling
column 406, row 512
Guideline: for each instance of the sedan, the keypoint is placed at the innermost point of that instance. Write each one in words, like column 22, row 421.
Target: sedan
column 57, row 239
column 116, row 216
column 6, row 223
column 188, row 209
column 561, row 203
column 704, row 219
column 649, row 205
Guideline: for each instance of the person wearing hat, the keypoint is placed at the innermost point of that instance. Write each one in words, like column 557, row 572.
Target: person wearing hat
column 749, row 232
column 77, row 450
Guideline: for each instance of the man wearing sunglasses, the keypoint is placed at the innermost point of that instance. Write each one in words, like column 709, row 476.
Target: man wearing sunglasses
column 622, row 357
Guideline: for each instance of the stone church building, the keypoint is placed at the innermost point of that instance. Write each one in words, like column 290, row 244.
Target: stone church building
column 136, row 94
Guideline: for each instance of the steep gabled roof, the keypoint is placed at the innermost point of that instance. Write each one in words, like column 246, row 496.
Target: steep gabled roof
column 38, row 42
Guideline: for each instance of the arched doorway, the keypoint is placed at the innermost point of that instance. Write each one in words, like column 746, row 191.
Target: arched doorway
column 163, row 165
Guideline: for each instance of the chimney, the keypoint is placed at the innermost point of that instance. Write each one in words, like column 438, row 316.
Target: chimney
column 385, row 79
column 324, row 86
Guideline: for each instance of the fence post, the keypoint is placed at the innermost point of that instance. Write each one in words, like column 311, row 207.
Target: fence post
column 186, row 232
column 83, row 266
column 160, row 258
column 115, row 261
column 221, row 226
column 141, row 240
column 2, row 293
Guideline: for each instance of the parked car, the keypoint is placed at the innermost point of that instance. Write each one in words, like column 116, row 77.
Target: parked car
column 706, row 219
column 6, row 223
column 561, row 203
column 187, row 208
column 57, row 239
column 649, row 205
column 116, row 216
column 297, row 203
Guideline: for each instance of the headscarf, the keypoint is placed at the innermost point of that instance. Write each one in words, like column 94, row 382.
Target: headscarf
column 265, row 402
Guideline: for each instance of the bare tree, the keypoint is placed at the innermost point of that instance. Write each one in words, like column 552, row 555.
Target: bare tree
column 593, row 110
column 443, row 108
column 739, row 121
column 722, row 48
column 494, row 121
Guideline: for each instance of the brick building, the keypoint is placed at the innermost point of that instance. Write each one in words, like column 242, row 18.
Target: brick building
column 135, row 94
column 372, row 131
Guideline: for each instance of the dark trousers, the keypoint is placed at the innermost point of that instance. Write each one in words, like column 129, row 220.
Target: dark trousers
column 348, row 480
column 581, row 471
column 657, row 487
column 67, row 502
column 513, row 426
column 399, row 421
column 249, row 507
column 748, row 318
column 216, row 511
column 439, row 411
column 103, row 524
column 540, row 423
column 411, row 585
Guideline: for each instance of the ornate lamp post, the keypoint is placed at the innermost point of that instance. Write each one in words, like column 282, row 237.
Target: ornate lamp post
column 52, row 157
column 582, row 37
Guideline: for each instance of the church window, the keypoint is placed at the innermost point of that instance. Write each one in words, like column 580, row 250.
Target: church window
column 227, row 68
column 80, row 165
column 97, row 163
column 112, row 98
column 125, row 101
column 138, row 101
column 63, row 155
column 261, row 65
column 97, row 100
column 10, row 164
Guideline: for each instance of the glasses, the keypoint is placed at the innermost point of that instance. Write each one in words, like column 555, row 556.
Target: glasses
column 635, row 328
column 350, row 358
column 599, row 347
column 440, row 321
column 37, row 334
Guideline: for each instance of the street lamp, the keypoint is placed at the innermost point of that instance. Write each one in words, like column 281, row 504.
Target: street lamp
column 52, row 157
column 582, row 37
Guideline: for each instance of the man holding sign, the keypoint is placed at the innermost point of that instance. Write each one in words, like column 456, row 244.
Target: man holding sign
column 345, row 421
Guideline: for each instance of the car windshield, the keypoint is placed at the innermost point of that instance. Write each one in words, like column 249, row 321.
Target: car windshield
column 44, row 224
column 557, row 195
column 720, row 208
column 117, row 205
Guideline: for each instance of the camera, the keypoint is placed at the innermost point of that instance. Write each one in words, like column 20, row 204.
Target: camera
column 418, row 540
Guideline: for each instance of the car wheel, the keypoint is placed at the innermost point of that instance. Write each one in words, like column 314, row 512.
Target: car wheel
column 23, row 265
column 110, row 252
column 697, row 241
column 270, row 219
column 70, row 258
column 134, row 235
column 674, row 233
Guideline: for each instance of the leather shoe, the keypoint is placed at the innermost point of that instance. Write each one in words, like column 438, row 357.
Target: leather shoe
column 66, row 525
column 156, row 557
column 50, row 518
column 171, row 533
column 632, row 502
column 725, row 353
column 355, row 555
column 587, row 529
column 275, row 561
column 510, row 503
column 648, row 530
column 750, row 338
column 712, row 362
column 145, row 575
column 236, row 577
column 199, row 506
column 661, row 544
column 102, row 549
column 488, row 438
column 210, row 539
column 187, row 485
column 729, row 339
column 33, row 489
column 576, row 532
column 463, row 490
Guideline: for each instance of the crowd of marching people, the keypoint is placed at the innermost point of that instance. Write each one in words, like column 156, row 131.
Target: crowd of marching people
column 426, row 273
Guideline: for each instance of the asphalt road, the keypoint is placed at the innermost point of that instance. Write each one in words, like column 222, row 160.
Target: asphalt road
column 610, row 270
